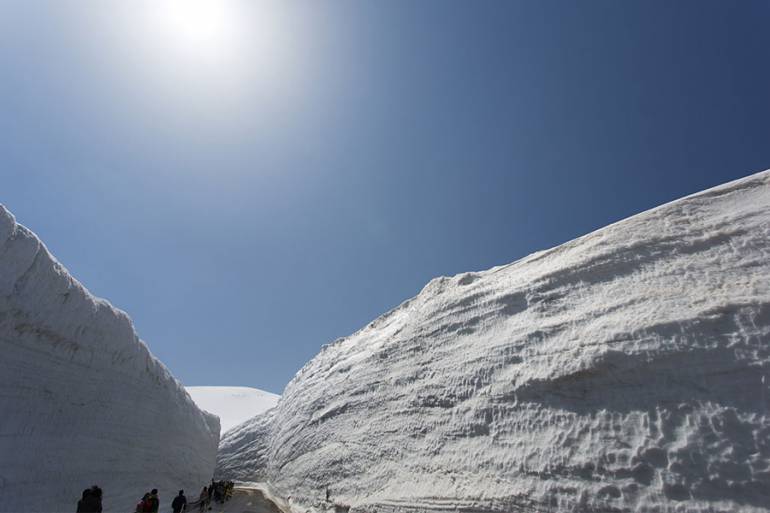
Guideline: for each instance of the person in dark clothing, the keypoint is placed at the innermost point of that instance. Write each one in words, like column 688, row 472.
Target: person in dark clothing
column 203, row 499
column 154, row 501
column 91, row 502
column 83, row 501
column 97, row 493
column 144, row 505
column 179, row 503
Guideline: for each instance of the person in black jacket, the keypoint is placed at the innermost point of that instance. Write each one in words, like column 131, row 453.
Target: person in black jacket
column 154, row 501
column 179, row 504
column 82, row 503
column 91, row 502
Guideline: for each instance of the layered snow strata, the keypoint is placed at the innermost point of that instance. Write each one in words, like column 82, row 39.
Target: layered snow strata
column 82, row 400
column 626, row 370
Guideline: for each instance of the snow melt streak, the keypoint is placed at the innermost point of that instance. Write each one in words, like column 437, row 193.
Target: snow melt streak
column 82, row 400
column 627, row 369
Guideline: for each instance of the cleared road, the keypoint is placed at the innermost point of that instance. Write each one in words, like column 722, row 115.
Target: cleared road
column 244, row 500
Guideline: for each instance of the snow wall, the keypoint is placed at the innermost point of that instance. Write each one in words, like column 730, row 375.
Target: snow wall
column 82, row 399
column 626, row 370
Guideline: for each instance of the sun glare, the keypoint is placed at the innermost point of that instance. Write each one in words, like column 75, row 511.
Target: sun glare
column 220, row 37
column 200, row 29
column 209, row 59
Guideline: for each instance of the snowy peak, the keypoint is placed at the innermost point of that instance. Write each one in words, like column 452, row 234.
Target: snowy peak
column 233, row 405
column 625, row 370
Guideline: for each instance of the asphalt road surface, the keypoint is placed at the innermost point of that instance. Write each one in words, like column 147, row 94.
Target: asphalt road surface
column 245, row 500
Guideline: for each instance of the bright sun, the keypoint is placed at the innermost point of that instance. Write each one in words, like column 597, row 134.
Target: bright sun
column 200, row 28
column 220, row 37
column 211, row 56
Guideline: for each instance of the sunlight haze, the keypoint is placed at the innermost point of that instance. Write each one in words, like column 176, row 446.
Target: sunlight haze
column 263, row 177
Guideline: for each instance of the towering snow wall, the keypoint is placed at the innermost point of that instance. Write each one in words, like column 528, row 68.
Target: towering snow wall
column 82, row 400
column 627, row 370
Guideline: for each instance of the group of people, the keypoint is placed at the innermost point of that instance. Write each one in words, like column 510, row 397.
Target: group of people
column 218, row 491
column 149, row 503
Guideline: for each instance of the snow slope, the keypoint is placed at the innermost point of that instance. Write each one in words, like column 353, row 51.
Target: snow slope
column 233, row 405
column 626, row 370
column 82, row 399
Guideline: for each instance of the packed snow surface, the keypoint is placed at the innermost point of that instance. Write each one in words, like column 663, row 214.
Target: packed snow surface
column 233, row 405
column 82, row 399
column 626, row 370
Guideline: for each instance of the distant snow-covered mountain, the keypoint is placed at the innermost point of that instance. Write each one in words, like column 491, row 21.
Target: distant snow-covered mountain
column 626, row 370
column 82, row 399
column 233, row 405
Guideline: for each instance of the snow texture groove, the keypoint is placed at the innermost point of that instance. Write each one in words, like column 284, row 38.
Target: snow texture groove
column 82, row 399
column 626, row 370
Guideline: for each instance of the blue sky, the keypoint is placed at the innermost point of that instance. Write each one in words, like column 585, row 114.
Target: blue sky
column 249, row 199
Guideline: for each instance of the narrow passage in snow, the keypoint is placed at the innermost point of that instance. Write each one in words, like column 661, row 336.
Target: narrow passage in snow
column 244, row 500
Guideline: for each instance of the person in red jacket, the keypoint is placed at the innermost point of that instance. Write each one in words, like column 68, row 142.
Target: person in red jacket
column 143, row 506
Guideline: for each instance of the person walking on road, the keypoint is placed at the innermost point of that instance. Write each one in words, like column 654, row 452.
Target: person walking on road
column 154, row 501
column 179, row 504
column 143, row 506
column 91, row 502
column 203, row 498
column 82, row 503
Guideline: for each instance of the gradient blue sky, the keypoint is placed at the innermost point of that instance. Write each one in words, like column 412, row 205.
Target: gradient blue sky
column 247, row 209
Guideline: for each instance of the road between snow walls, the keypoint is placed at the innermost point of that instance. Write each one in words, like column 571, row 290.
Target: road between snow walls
column 246, row 498
column 73, row 378
column 626, row 370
